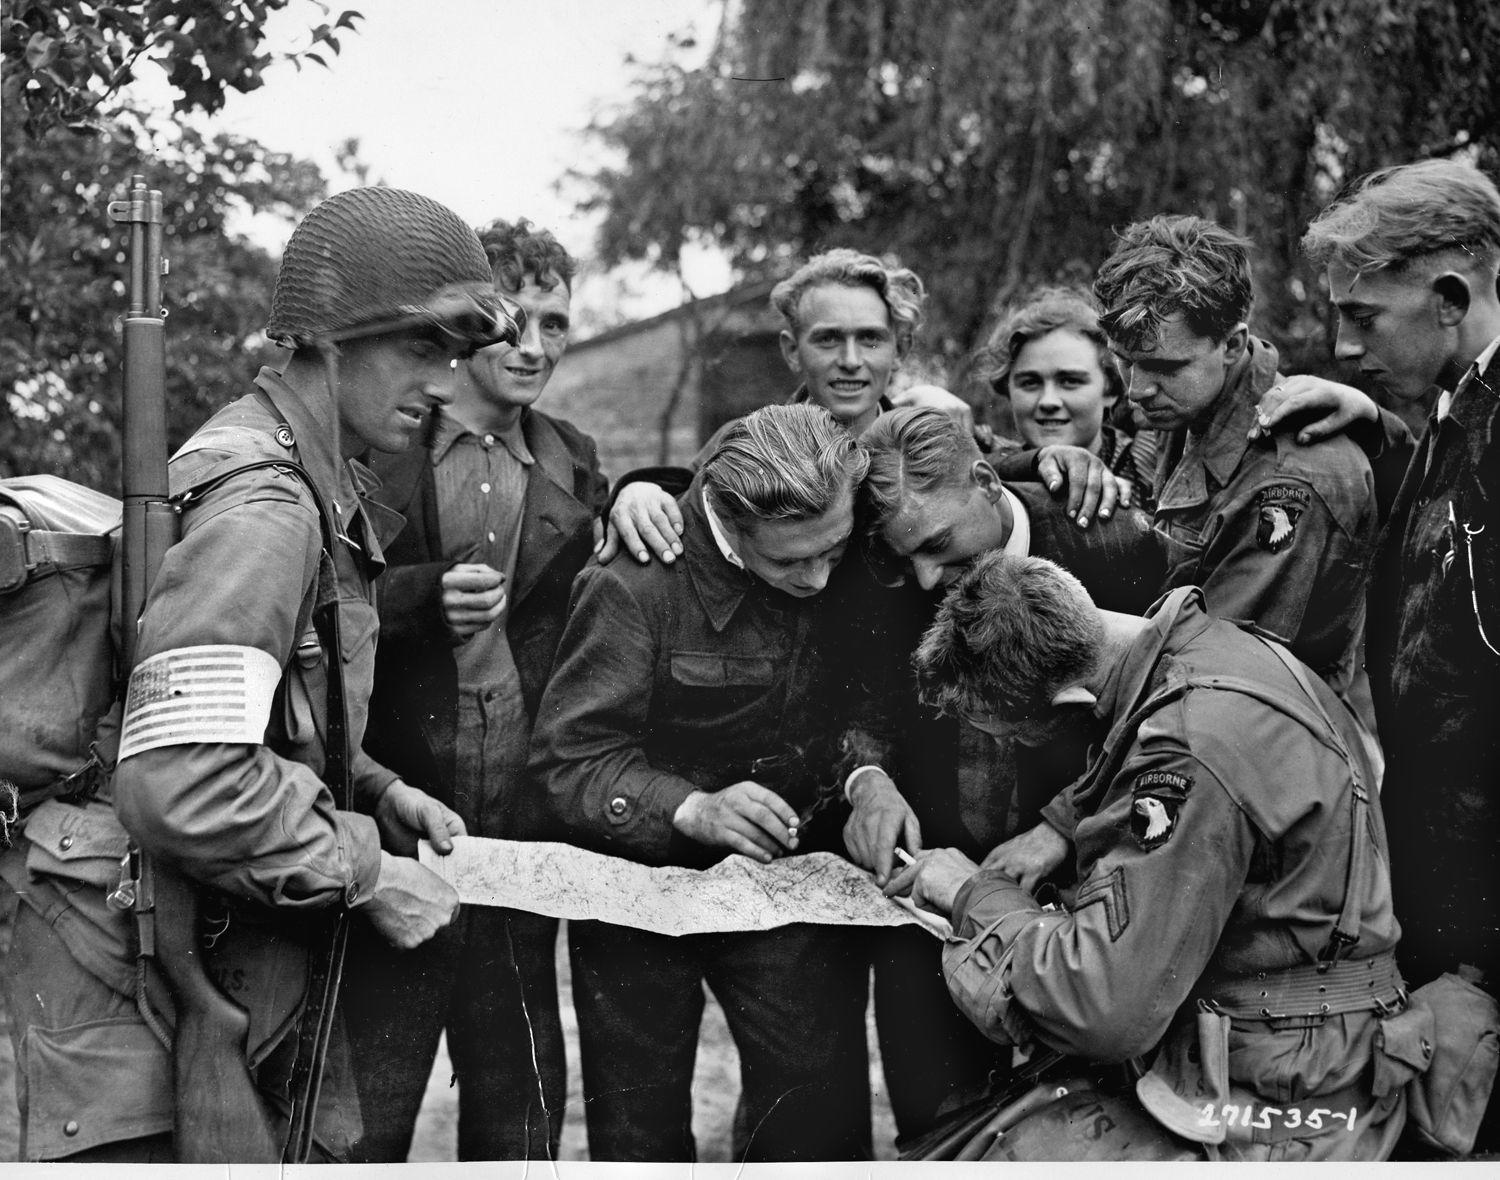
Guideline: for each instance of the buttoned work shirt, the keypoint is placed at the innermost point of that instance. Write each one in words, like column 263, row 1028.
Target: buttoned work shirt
column 480, row 480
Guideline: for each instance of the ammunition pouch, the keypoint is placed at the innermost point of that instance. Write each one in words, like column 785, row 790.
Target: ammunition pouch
column 89, row 1070
column 1448, row 1100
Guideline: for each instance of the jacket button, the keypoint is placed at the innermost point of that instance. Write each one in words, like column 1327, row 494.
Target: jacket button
column 351, row 894
column 618, row 805
column 70, row 1128
column 65, row 843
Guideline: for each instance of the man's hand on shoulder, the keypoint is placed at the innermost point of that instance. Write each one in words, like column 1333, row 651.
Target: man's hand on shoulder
column 645, row 520
column 935, row 397
column 1320, row 406
column 747, row 817
column 881, row 820
column 1093, row 490
column 410, row 903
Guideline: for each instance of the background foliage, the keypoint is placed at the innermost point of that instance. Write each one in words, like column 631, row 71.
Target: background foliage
column 994, row 144
column 69, row 148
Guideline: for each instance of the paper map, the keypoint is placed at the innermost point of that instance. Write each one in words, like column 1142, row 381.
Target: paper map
column 736, row 894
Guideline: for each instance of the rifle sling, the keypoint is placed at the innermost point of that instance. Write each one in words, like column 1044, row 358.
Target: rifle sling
column 325, row 971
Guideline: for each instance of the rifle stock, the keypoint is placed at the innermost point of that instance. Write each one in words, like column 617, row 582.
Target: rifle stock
column 220, row 1116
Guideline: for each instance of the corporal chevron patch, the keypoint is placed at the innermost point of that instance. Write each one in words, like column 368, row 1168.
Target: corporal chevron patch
column 1109, row 892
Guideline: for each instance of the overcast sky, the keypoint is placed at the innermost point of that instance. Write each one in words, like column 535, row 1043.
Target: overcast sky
column 477, row 103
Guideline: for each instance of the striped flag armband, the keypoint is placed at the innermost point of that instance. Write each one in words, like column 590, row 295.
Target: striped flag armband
column 213, row 693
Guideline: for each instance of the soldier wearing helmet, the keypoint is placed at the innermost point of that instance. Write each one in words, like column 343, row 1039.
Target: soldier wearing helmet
column 379, row 293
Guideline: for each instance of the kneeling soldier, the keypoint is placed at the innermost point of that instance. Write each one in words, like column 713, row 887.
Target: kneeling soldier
column 1231, row 936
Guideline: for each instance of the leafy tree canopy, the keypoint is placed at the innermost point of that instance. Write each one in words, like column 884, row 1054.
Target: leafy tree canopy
column 63, row 283
column 70, row 144
column 993, row 144
column 65, row 60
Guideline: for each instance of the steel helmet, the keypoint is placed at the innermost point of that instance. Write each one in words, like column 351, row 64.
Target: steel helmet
column 376, row 260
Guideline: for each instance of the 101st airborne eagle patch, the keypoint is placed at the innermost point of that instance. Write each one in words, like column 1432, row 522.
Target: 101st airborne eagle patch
column 1280, row 509
column 1156, row 796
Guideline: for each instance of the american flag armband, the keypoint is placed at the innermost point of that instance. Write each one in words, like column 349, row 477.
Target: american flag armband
column 213, row 693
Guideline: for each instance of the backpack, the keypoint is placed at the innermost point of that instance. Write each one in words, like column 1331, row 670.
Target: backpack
column 57, row 654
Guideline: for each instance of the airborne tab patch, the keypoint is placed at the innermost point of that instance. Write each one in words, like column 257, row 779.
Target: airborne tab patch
column 1280, row 509
column 1155, row 798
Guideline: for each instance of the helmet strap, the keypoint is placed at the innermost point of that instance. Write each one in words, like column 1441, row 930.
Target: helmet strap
column 329, row 351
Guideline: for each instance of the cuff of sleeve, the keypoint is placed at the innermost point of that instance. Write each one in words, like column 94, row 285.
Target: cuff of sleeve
column 854, row 774
column 1058, row 815
column 985, row 898
column 371, row 782
column 644, row 823
column 1017, row 465
column 361, row 841
column 411, row 603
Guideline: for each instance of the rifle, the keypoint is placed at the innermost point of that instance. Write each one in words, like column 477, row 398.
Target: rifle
column 220, row 1116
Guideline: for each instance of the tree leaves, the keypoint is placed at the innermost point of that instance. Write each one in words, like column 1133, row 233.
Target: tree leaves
column 68, row 58
column 62, row 283
column 994, row 145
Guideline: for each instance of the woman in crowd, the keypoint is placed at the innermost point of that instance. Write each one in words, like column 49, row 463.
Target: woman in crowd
column 1049, row 358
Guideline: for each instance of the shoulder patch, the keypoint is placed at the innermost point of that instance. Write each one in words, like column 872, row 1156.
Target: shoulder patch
column 1156, row 796
column 1280, row 507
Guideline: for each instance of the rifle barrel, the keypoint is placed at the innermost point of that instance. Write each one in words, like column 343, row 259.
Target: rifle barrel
column 150, row 524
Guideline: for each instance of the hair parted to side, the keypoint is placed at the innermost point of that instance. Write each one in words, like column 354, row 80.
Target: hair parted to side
column 518, row 251
column 1009, row 634
column 899, row 288
column 783, row 463
column 1171, row 265
column 1407, row 214
column 913, row 450
column 1049, row 309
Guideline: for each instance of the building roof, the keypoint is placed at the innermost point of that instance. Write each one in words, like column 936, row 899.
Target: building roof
column 746, row 295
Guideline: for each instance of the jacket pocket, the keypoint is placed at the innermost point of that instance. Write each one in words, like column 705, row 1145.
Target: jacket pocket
column 68, row 1069
column 76, row 843
column 1403, row 1048
column 713, row 670
column 1184, row 548
column 305, row 689
column 1449, row 1100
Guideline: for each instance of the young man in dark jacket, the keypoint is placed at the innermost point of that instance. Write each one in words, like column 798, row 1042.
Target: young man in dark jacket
column 500, row 507
column 1412, row 257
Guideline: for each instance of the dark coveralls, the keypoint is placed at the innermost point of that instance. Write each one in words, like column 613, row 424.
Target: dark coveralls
column 1210, row 879
column 670, row 679
column 490, row 979
column 253, row 821
column 972, row 792
column 1435, row 671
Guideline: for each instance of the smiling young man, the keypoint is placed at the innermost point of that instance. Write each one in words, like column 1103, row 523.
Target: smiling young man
column 851, row 319
column 686, row 718
column 501, row 504
column 1412, row 256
